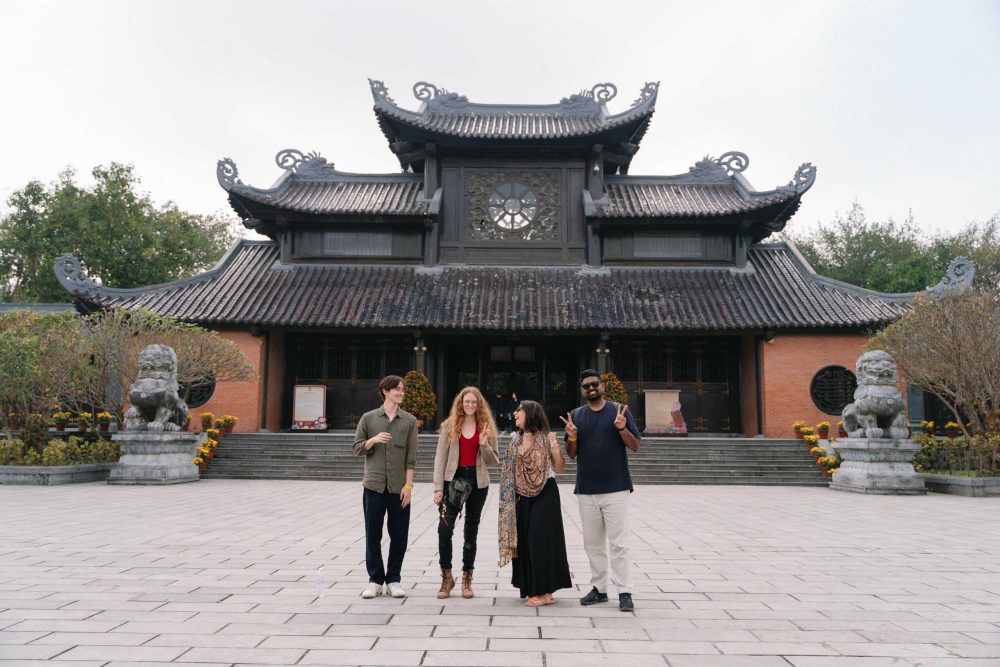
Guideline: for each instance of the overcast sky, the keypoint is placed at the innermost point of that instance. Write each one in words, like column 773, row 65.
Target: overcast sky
column 896, row 103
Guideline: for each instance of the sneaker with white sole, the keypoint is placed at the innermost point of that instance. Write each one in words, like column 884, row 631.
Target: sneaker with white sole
column 372, row 590
column 395, row 590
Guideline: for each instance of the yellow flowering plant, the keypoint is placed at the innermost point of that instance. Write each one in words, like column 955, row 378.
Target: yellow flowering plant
column 60, row 417
column 207, row 419
column 798, row 425
column 810, row 439
column 807, row 430
column 103, row 417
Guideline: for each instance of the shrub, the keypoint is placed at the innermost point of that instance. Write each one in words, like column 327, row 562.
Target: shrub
column 419, row 399
column 58, row 452
column 614, row 390
column 976, row 456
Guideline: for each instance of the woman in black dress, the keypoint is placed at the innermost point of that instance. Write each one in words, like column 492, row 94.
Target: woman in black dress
column 531, row 533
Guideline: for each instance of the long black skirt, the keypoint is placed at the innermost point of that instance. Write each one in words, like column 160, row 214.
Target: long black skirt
column 541, row 565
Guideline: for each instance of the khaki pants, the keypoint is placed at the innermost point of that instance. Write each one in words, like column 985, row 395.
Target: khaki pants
column 604, row 520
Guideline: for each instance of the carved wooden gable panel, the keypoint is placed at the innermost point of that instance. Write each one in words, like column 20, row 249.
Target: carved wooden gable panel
column 513, row 205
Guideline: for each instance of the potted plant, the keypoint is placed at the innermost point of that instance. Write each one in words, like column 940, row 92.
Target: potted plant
column 104, row 420
column 811, row 440
column 419, row 400
column 14, row 420
column 200, row 462
column 614, row 390
column 927, row 427
column 187, row 421
column 84, row 420
column 823, row 430
column 228, row 423
column 207, row 419
column 797, row 427
column 841, row 433
column 807, row 432
column 60, row 419
column 951, row 429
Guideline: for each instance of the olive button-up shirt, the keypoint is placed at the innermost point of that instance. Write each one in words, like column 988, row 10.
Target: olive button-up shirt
column 386, row 465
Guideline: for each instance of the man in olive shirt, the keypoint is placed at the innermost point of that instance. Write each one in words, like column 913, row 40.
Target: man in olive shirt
column 387, row 438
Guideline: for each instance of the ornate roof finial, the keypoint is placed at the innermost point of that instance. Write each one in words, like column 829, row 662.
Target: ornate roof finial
column 957, row 280
column 380, row 92
column 649, row 90
column 304, row 165
column 70, row 275
column 438, row 99
column 720, row 169
column 228, row 174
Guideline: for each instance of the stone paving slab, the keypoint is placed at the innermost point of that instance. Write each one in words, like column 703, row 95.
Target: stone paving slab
column 233, row 572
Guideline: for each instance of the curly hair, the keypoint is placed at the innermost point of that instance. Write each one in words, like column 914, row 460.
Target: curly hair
column 484, row 416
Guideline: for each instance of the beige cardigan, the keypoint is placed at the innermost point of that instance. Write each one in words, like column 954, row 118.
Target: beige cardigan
column 446, row 461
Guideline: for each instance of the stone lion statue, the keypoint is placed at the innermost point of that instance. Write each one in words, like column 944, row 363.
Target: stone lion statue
column 877, row 410
column 156, row 405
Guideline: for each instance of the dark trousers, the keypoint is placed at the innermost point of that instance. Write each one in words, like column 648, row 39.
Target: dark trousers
column 473, row 512
column 377, row 505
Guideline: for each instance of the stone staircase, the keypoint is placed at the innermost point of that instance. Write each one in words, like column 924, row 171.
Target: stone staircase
column 693, row 460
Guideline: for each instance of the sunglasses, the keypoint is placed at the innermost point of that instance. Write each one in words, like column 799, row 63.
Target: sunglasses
column 591, row 385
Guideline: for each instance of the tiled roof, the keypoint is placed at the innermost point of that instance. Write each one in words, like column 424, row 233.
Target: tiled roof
column 644, row 199
column 776, row 291
column 311, row 185
column 445, row 113
column 348, row 197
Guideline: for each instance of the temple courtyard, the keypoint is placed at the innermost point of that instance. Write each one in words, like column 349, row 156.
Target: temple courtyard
column 269, row 572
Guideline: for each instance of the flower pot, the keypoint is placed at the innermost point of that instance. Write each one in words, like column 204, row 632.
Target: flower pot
column 104, row 427
column 841, row 433
column 228, row 429
column 60, row 427
column 824, row 434
column 15, row 426
column 952, row 434
column 202, row 465
column 798, row 434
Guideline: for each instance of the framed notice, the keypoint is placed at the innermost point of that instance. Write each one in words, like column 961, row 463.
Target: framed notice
column 663, row 412
column 309, row 407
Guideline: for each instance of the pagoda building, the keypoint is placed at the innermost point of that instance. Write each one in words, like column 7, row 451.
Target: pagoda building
column 511, row 251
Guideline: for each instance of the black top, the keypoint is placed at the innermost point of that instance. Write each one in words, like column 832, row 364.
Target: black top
column 601, row 458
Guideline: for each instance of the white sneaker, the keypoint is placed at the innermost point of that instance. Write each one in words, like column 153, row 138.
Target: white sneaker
column 395, row 590
column 372, row 590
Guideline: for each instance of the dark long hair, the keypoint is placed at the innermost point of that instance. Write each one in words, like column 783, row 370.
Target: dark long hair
column 535, row 420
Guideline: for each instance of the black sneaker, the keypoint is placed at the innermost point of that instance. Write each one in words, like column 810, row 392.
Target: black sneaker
column 593, row 597
column 625, row 602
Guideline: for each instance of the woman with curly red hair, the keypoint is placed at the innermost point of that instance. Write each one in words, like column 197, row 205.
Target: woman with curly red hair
column 467, row 444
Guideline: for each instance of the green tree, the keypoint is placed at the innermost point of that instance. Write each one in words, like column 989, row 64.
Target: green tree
column 886, row 256
column 890, row 256
column 116, row 231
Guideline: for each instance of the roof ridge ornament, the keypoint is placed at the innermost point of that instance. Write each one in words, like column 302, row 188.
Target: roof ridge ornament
column 590, row 100
column 69, row 273
column 439, row 99
column 720, row 169
column 304, row 165
column 648, row 91
column 803, row 179
column 380, row 92
column 957, row 280
column 228, row 174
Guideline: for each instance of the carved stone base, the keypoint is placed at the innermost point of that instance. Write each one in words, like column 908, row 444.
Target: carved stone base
column 155, row 458
column 878, row 466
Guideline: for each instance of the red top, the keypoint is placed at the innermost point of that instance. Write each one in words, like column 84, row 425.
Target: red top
column 468, row 449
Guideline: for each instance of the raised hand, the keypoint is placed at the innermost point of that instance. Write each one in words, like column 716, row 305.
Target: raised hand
column 620, row 417
column 553, row 440
column 570, row 426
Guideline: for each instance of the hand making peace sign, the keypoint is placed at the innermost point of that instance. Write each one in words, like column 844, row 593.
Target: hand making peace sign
column 620, row 417
column 570, row 426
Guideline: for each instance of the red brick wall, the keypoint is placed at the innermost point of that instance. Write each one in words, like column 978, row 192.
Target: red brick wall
column 789, row 363
column 275, row 379
column 748, row 385
column 240, row 399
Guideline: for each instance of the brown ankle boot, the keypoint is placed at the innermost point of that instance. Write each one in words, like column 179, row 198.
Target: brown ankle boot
column 447, row 583
column 467, row 584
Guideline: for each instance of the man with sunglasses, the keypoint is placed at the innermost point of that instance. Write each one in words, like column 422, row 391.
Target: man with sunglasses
column 598, row 435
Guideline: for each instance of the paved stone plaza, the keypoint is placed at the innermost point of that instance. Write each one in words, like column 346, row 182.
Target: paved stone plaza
column 228, row 572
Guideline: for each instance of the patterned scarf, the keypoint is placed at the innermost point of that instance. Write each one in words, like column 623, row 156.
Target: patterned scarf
column 507, row 526
column 521, row 473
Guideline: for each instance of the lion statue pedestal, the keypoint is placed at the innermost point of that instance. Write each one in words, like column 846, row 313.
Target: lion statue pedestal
column 154, row 450
column 877, row 454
